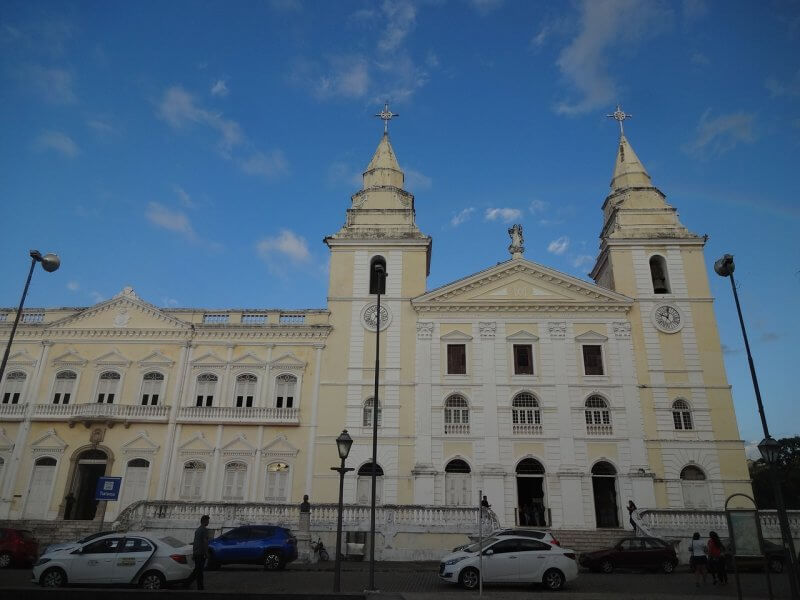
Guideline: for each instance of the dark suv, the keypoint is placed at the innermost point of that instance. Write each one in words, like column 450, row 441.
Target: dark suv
column 632, row 553
column 268, row 545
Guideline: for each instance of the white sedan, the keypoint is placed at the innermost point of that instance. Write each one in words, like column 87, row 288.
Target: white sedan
column 139, row 558
column 510, row 559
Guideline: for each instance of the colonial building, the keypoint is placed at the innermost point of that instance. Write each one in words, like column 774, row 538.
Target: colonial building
column 560, row 398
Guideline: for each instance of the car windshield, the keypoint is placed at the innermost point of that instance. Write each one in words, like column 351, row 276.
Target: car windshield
column 92, row 536
column 174, row 542
column 475, row 547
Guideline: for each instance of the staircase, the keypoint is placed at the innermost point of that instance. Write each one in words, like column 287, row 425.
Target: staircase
column 54, row 532
column 587, row 540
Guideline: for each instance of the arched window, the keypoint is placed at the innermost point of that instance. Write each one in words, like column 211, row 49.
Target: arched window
column 364, row 484
column 277, row 486
column 245, row 389
column 530, row 466
column 285, row 387
column 134, row 483
column 193, row 480
column 151, row 388
column 368, row 406
column 598, row 417
column 456, row 416
column 526, row 418
column 206, row 388
column 108, row 387
column 41, row 488
column 658, row 272
column 603, row 468
column 457, row 483
column 64, row 386
column 234, row 483
column 681, row 415
column 696, row 493
column 15, row 383
column 692, row 473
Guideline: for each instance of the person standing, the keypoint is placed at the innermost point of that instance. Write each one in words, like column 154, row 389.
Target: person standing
column 716, row 558
column 631, row 510
column 199, row 553
column 697, row 558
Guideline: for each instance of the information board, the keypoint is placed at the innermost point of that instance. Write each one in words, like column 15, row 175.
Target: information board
column 108, row 488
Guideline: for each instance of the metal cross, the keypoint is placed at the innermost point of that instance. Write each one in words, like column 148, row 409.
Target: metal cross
column 619, row 115
column 386, row 115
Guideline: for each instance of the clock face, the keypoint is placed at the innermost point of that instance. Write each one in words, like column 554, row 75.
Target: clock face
column 369, row 317
column 667, row 318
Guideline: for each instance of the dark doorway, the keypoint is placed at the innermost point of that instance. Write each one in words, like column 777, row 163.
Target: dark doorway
column 531, row 507
column 604, row 486
column 90, row 467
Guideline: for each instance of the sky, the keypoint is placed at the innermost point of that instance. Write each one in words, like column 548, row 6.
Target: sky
column 200, row 151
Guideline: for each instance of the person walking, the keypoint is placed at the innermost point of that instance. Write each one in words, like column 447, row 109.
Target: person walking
column 631, row 510
column 716, row 558
column 697, row 558
column 199, row 553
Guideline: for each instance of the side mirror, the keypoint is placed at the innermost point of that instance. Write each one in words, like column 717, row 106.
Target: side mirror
column 489, row 552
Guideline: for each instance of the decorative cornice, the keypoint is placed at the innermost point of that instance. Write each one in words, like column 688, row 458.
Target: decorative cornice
column 488, row 329
column 522, row 307
column 557, row 329
column 424, row 330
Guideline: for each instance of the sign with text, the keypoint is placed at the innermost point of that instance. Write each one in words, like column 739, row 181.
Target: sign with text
column 108, row 488
column 744, row 532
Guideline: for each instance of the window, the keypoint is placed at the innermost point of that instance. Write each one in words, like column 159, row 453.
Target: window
column 15, row 383
column 681, row 415
column 194, row 474
column 530, row 466
column 631, row 545
column 368, row 406
column 592, row 359
column 533, row 546
column 658, row 272
column 506, row 547
column 364, row 484
column 32, row 317
column 691, row 473
column 523, row 359
column 598, row 417
column 377, row 275
column 696, row 492
column 285, row 386
column 456, row 415
column 134, row 483
column 277, row 482
column 457, row 483
column 525, row 414
column 240, row 533
column 291, row 319
column 216, row 318
column 104, row 546
column 107, row 387
column 136, row 545
column 456, row 359
column 254, row 319
column 151, row 388
column 206, row 387
column 62, row 390
column 245, row 389
column 233, row 485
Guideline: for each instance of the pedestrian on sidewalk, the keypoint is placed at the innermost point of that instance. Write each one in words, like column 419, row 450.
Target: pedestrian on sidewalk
column 697, row 558
column 631, row 510
column 199, row 553
column 716, row 558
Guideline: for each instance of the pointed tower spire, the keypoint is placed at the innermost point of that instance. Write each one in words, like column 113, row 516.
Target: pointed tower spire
column 383, row 169
column 629, row 172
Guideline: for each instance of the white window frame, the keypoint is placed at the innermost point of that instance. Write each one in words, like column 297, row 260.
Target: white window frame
column 197, row 386
column 203, row 481
column 454, row 423
column 526, row 420
column 365, row 481
column 241, row 475
column 368, row 408
column 276, row 389
column 244, row 389
column 456, row 338
column 592, row 338
column 72, row 392
column 288, row 481
column 117, row 393
column 149, row 467
column 602, row 422
column 52, row 486
column 683, row 414
column 22, row 388
column 161, row 392
column 458, row 476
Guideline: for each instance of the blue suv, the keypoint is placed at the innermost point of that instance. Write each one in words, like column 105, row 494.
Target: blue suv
column 267, row 545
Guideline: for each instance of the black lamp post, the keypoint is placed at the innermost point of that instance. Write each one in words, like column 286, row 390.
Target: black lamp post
column 50, row 262
column 768, row 447
column 343, row 443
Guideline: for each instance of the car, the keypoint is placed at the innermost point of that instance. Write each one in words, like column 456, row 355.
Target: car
column 83, row 540
column 774, row 553
column 132, row 558
column 632, row 553
column 268, row 545
column 537, row 534
column 510, row 559
column 17, row 547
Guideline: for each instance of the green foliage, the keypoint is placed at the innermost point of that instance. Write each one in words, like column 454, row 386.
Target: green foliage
column 788, row 473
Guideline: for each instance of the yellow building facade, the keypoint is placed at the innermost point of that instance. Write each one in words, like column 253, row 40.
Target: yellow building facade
column 558, row 398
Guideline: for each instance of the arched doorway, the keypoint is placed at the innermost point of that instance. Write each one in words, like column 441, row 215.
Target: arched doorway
column 89, row 467
column 364, row 484
column 695, row 488
column 41, row 487
column 531, row 507
column 604, row 487
column 457, row 483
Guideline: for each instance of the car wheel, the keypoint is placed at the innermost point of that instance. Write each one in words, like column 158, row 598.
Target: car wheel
column 606, row 566
column 553, row 579
column 53, row 578
column 5, row 560
column 152, row 580
column 469, row 578
column 776, row 565
column 668, row 566
column 272, row 561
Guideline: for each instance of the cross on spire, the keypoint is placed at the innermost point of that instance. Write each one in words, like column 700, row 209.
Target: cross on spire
column 619, row 115
column 386, row 115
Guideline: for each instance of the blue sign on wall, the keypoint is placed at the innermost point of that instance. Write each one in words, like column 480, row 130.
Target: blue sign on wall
column 108, row 488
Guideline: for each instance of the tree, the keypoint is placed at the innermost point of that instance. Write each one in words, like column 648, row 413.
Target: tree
column 788, row 471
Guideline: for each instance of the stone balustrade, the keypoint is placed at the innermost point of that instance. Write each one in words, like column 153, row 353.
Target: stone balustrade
column 97, row 411
column 269, row 415
column 12, row 412
column 527, row 429
column 599, row 430
column 677, row 522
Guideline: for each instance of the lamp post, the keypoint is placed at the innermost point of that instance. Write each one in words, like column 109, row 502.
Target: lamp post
column 50, row 262
column 769, row 447
column 343, row 443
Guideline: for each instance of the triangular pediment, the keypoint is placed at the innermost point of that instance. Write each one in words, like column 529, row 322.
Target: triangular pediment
column 280, row 447
column 69, row 359
column 197, row 444
column 112, row 359
column 238, row 446
column 287, row 361
column 456, row 336
column 5, row 442
column 248, row 358
column 522, row 336
column 523, row 283
column 22, row 358
column 141, row 444
column 49, row 441
column 124, row 311
column 209, row 359
column 591, row 336
column 155, row 359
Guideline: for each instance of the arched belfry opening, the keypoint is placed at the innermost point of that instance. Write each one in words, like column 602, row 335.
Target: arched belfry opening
column 658, row 273
column 377, row 275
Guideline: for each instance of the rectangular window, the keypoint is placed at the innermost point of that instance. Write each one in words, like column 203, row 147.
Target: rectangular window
column 154, row 399
column 101, row 398
column 523, row 359
column 592, row 360
column 66, row 398
column 676, row 418
column 216, row 318
column 279, row 402
column 254, row 319
column 289, row 401
column 110, row 399
column 145, row 399
column 291, row 319
column 456, row 359
column 6, row 397
column 57, row 398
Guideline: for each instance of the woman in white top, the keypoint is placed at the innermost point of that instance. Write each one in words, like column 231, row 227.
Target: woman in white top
column 698, row 559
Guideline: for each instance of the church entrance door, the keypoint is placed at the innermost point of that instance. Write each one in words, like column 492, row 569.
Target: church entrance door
column 531, row 504
column 91, row 466
column 604, row 486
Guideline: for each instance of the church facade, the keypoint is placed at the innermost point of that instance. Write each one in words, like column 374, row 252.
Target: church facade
column 558, row 398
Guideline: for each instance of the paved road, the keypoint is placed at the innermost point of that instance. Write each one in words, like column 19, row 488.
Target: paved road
column 418, row 581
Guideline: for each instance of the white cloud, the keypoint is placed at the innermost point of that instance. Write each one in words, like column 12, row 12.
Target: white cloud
column 432, row 60
column 582, row 260
column 694, row 10
column 183, row 196
column 267, row 165
column 778, row 88
column 286, row 245
column 401, row 20
column 718, row 135
column 179, row 109
column 417, row 181
column 73, row 286
column 539, row 39
column 345, row 76
column 504, row 214
column 340, row 173
column 220, row 88
column 700, row 59
column 537, row 206
column 58, row 141
column 96, row 296
column 484, row 7
column 160, row 216
column 101, row 127
column 169, row 302
column 558, row 246
column 54, row 85
column 462, row 217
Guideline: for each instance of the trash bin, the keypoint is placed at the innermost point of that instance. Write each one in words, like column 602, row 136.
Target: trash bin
column 354, row 546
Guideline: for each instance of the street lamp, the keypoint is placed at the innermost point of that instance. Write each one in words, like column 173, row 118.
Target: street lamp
column 343, row 443
column 50, row 262
column 768, row 447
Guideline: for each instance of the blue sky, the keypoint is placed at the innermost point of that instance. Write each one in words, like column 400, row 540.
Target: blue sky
column 200, row 151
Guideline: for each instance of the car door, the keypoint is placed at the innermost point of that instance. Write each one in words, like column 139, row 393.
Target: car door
column 631, row 554
column 93, row 562
column 260, row 538
column 502, row 561
column 654, row 554
column 132, row 555
column 232, row 546
column 533, row 560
